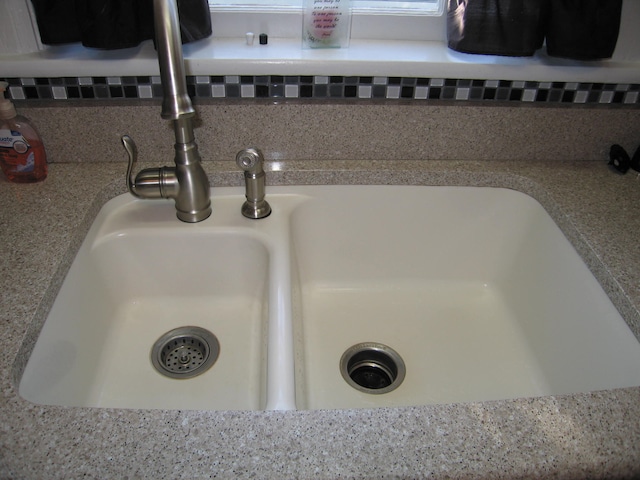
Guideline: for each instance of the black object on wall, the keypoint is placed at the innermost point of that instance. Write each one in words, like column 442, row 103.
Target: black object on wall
column 113, row 24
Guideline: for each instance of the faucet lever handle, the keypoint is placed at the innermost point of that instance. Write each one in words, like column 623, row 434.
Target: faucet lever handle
column 132, row 152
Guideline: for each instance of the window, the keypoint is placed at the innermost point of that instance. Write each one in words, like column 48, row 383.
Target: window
column 372, row 19
column 398, row 7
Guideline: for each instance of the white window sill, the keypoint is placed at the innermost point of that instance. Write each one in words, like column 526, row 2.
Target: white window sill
column 284, row 56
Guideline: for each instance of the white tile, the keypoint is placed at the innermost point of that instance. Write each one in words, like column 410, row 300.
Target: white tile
column 218, row 91
column 59, row 93
column 247, row 91
column 393, row 91
column 145, row 91
column 421, row 93
column 365, row 91
column 291, row 91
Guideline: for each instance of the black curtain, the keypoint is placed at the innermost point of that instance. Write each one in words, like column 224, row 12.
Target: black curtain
column 113, row 24
column 578, row 29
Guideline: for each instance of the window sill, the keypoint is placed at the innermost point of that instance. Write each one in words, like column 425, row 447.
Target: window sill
column 284, row 56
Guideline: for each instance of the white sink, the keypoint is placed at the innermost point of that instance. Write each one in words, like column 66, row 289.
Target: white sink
column 476, row 289
column 139, row 274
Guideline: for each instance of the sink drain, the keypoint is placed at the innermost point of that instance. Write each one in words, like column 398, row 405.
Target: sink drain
column 185, row 352
column 372, row 368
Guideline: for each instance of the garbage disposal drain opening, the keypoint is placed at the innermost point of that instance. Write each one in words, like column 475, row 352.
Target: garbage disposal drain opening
column 372, row 368
column 185, row 352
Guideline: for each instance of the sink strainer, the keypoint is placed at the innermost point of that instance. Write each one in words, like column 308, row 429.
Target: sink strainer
column 185, row 352
column 372, row 368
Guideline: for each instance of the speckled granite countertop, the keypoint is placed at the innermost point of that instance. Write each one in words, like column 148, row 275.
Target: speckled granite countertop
column 592, row 435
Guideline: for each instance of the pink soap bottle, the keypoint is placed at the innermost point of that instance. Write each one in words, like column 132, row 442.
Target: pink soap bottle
column 22, row 155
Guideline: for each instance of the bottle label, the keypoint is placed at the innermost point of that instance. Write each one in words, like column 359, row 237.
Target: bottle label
column 14, row 151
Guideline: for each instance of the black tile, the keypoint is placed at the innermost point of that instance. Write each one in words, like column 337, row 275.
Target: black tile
column 306, row 79
column 336, row 79
column 434, row 93
column 336, row 90
column 30, row 93
column 73, row 91
column 503, row 93
column 422, row 82
column 379, row 91
column 568, row 96
column 216, row 79
column 277, row 90
column 115, row 91
column 618, row 97
column 320, row 91
column 203, row 90
column 407, row 92
column 262, row 91
column 306, row 91
column 233, row 90
column 246, row 80
column 366, row 80
column 475, row 93
column 542, row 95
column 394, row 80
column 515, row 95
column 489, row 94
column 594, row 96
column 87, row 92
column 157, row 90
column 350, row 91
column 44, row 92
column 555, row 95
column 130, row 91
column 277, row 79
column 448, row 93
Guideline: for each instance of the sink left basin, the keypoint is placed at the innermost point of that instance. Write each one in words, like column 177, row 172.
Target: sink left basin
column 139, row 274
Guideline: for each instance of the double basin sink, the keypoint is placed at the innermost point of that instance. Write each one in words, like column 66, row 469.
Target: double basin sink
column 344, row 297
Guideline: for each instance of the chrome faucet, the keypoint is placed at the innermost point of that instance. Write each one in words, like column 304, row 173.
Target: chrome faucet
column 187, row 182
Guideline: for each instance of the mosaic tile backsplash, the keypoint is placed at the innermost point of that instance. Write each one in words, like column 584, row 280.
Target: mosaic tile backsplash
column 328, row 88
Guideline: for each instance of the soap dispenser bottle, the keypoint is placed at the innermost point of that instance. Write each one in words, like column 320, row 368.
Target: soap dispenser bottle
column 22, row 155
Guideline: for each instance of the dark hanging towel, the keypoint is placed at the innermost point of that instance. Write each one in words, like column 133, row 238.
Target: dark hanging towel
column 583, row 29
column 113, row 24
column 496, row 27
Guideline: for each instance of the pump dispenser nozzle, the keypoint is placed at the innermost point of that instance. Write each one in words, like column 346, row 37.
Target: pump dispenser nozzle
column 7, row 110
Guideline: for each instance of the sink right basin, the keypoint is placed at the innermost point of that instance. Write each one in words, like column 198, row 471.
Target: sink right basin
column 476, row 289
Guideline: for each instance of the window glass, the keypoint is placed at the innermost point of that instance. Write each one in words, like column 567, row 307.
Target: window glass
column 413, row 7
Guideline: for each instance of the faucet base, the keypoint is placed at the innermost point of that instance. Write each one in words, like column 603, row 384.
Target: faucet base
column 256, row 210
column 194, row 217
